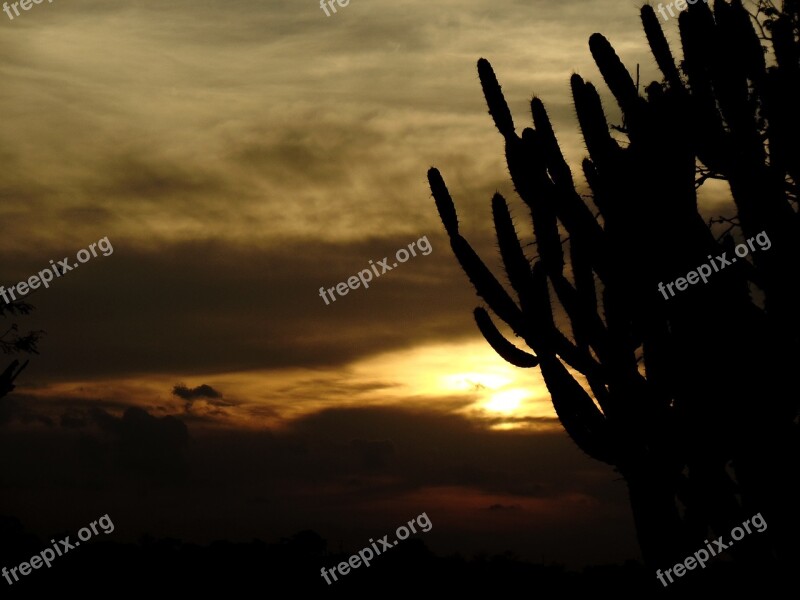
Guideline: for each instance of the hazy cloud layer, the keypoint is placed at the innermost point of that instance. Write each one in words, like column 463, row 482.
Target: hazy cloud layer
column 241, row 155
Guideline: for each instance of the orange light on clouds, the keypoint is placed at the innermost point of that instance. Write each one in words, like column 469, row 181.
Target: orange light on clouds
column 488, row 386
column 465, row 378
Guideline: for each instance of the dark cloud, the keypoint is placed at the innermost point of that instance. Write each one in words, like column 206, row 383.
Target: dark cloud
column 420, row 449
column 201, row 391
column 203, row 403
column 148, row 447
column 235, row 483
column 13, row 410
column 74, row 419
column 513, row 419
column 259, row 308
column 373, row 453
column 504, row 507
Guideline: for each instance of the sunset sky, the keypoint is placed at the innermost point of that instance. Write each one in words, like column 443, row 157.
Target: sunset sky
column 240, row 155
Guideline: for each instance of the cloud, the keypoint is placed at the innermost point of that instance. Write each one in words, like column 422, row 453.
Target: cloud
column 12, row 410
column 374, row 467
column 74, row 418
column 252, row 316
column 144, row 446
column 504, row 507
column 201, row 391
column 203, row 403
column 315, row 139
column 373, row 453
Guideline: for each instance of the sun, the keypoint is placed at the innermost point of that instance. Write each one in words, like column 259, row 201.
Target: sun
column 506, row 402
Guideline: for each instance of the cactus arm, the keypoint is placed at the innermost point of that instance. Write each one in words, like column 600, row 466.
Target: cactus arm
column 506, row 350
column 660, row 47
column 494, row 98
column 481, row 277
column 582, row 420
column 602, row 147
column 615, row 75
column 444, row 203
column 516, row 263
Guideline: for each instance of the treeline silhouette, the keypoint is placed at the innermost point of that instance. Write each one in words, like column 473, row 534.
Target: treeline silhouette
column 104, row 566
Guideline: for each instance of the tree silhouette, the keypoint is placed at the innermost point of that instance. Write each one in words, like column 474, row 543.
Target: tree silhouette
column 12, row 342
column 690, row 397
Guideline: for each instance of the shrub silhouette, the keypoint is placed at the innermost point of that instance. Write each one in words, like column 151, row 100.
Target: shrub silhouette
column 11, row 342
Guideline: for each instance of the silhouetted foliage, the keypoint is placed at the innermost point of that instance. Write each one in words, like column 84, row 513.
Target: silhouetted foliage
column 12, row 342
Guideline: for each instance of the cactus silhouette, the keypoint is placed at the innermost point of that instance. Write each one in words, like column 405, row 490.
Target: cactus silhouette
column 688, row 396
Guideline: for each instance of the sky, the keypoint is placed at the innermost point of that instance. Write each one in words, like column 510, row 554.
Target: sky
column 238, row 156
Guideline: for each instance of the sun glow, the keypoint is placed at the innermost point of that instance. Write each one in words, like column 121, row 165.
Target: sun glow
column 468, row 378
column 465, row 378
column 473, row 381
column 507, row 402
